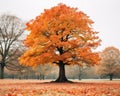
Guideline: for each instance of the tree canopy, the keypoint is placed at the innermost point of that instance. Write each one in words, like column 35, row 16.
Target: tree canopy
column 60, row 33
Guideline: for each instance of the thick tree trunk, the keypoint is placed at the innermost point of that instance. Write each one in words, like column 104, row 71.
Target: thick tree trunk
column 111, row 77
column 62, row 77
column 1, row 72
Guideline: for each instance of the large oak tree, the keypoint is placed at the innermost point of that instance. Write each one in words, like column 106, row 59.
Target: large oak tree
column 63, row 36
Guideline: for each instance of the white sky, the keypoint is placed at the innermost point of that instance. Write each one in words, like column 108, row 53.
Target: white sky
column 105, row 14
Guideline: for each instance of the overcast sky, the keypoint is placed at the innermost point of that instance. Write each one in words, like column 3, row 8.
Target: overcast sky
column 105, row 14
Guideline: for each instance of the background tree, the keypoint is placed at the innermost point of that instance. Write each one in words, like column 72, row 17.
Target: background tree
column 42, row 70
column 15, row 51
column 110, row 62
column 12, row 63
column 81, row 71
column 11, row 28
column 76, row 70
column 61, row 35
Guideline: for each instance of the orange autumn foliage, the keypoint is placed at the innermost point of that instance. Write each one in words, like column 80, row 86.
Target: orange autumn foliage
column 58, row 34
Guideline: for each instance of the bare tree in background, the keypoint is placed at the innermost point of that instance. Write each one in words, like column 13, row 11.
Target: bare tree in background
column 15, row 52
column 11, row 28
column 12, row 63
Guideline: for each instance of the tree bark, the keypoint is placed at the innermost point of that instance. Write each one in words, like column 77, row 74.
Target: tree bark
column 2, row 71
column 62, row 77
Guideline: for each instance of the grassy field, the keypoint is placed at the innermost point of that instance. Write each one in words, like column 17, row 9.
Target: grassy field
column 46, row 88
